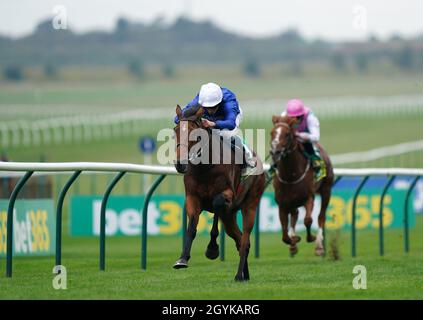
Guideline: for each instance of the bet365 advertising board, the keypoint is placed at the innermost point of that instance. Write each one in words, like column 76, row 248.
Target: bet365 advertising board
column 34, row 224
column 123, row 214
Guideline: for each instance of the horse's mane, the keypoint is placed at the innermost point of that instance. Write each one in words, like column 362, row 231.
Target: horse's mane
column 190, row 112
column 284, row 119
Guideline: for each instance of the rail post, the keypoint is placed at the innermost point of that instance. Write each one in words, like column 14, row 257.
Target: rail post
column 222, row 242
column 103, row 218
column 13, row 196
column 144, row 221
column 338, row 178
column 257, row 232
column 406, row 227
column 336, row 181
column 59, row 216
column 93, row 184
column 354, row 206
column 184, row 225
column 382, row 198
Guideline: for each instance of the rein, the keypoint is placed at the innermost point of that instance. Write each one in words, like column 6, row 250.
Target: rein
column 296, row 181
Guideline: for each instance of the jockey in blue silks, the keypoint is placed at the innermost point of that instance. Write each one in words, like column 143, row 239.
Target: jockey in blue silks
column 221, row 111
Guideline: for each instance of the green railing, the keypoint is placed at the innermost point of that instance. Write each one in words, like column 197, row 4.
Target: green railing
column 78, row 167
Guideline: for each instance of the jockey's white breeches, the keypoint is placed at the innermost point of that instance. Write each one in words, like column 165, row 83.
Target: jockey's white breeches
column 236, row 131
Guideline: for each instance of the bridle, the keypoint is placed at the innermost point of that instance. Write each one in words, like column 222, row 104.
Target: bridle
column 198, row 123
column 291, row 147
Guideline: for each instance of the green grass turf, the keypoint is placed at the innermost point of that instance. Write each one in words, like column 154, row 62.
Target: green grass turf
column 159, row 92
column 273, row 276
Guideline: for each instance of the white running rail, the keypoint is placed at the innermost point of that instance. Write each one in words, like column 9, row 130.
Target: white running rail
column 378, row 153
column 86, row 123
column 169, row 170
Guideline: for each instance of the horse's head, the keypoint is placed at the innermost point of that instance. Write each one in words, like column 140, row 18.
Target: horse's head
column 188, row 122
column 283, row 137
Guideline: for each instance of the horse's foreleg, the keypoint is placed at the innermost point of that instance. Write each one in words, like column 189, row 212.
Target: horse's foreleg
column 292, row 234
column 193, row 210
column 212, row 251
column 308, row 220
column 293, row 249
column 283, row 217
column 325, row 195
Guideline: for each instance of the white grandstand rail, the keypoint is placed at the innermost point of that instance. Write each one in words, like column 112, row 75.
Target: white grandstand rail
column 81, row 119
column 378, row 153
column 68, row 129
column 342, row 107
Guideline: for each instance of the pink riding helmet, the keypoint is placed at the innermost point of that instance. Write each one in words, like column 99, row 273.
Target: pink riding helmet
column 295, row 108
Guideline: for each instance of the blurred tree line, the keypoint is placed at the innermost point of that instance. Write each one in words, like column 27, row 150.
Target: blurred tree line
column 138, row 45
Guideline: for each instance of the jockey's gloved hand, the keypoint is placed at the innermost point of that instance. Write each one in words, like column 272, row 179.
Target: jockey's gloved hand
column 302, row 136
column 207, row 123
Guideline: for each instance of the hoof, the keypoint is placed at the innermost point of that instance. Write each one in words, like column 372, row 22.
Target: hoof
column 293, row 251
column 319, row 252
column 240, row 278
column 180, row 264
column 287, row 240
column 212, row 253
column 311, row 238
column 296, row 238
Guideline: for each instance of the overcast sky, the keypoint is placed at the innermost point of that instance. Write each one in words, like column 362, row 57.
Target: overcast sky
column 331, row 19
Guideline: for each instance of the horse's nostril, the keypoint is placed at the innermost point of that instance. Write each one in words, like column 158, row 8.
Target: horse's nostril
column 180, row 167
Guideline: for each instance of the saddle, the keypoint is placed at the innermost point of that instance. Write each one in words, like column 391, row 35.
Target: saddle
column 317, row 163
column 312, row 153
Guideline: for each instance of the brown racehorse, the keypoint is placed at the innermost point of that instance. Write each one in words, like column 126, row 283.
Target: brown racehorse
column 217, row 188
column 295, row 185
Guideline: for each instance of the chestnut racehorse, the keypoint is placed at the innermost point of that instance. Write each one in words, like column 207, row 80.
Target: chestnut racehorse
column 295, row 185
column 217, row 188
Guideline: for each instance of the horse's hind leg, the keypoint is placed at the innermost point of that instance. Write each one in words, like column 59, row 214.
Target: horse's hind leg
column 248, row 216
column 232, row 230
column 220, row 204
column 193, row 211
column 308, row 220
column 212, row 251
column 325, row 195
